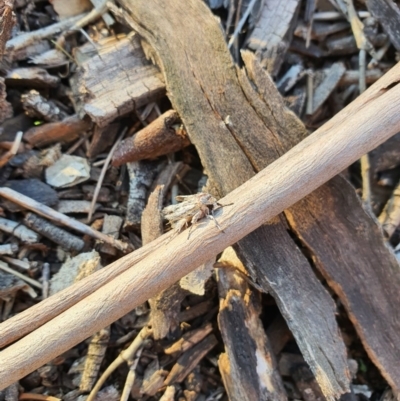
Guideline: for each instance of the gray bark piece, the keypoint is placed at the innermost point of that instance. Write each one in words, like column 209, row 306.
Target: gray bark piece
column 273, row 31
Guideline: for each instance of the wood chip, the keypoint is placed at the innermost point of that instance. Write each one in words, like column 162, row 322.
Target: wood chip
column 68, row 171
column 272, row 34
column 117, row 74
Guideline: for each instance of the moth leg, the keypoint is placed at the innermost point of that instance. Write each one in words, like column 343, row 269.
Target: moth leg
column 180, row 225
column 211, row 217
column 198, row 215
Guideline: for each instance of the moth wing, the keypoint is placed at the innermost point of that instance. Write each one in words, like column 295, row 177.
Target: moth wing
column 184, row 210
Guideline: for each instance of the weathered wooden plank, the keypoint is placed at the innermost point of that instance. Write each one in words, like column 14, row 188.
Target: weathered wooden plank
column 359, row 267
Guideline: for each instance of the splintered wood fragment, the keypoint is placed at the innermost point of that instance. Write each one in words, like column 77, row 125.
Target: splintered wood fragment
column 241, row 327
column 160, row 137
column 7, row 21
column 334, row 146
column 19, row 230
column 165, row 306
column 56, row 234
column 378, row 263
column 116, row 80
column 10, row 285
column 67, row 130
column 111, row 226
column 126, row 356
column 153, row 379
column 59, row 218
column 170, row 175
column 8, row 249
column 36, row 106
column 169, row 394
column 194, row 384
column 32, row 77
column 390, row 215
column 387, row 12
column 320, row 30
column 273, row 32
column 22, row 264
column 346, row 212
column 6, row 110
column 15, row 45
column 95, row 355
column 74, row 206
column 103, row 138
column 152, row 221
column 188, row 361
column 6, row 157
column 328, row 81
column 141, row 176
column 196, row 280
column 353, row 77
column 74, row 270
column 188, row 340
column 195, row 311
column 7, row 269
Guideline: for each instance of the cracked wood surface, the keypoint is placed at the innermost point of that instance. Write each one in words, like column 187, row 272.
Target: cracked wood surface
column 234, row 142
column 252, row 131
column 115, row 81
column 273, row 32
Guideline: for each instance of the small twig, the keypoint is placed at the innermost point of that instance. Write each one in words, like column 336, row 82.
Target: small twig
column 336, row 15
column 241, row 22
column 28, row 38
column 91, row 16
column 30, row 281
column 7, row 308
column 231, row 13
column 76, row 145
column 358, row 29
column 60, row 218
column 310, row 92
column 45, row 280
column 130, row 378
column 8, row 249
column 40, row 397
column 103, row 174
column 127, row 355
column 22, row 264
column 366, row 180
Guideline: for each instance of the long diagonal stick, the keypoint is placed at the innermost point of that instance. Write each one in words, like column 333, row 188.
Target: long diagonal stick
column 367, row 122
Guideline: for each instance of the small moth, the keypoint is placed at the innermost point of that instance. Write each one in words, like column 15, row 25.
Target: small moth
column 191, row 209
